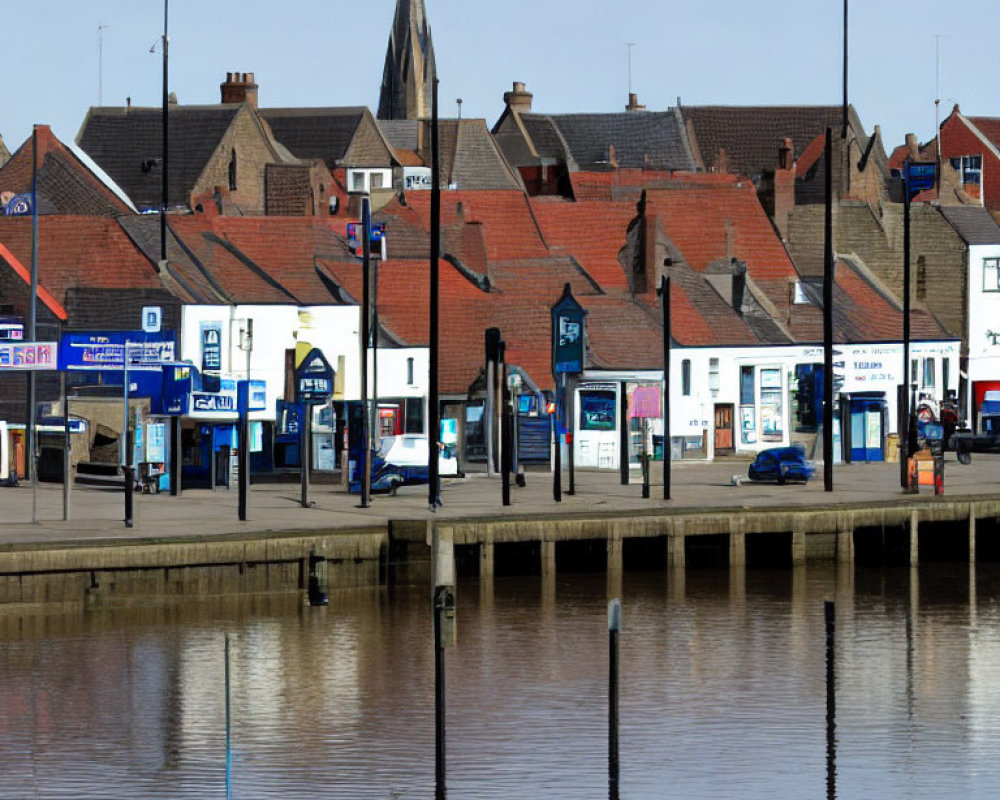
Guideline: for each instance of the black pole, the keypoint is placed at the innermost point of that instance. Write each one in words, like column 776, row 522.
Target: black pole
column 904, row 412
column 67, row 445
column 366, row 447
column 176, row 457
column 433, row 402
column 623, row 435
column 665, row 304
column 570, row 436
column 505, row 426
column 31, row 464
column 439, row 699
column 126, row 450
column 243, row 458
column 829, row 267
column 614, row 624
column 305, row 452
column 829, row 614
column 843, row 134
column 557, row 459
column 165, row 102
column 645, row 460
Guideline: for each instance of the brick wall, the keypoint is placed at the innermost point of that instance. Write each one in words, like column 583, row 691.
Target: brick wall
column 252, row 155
column 958, row 140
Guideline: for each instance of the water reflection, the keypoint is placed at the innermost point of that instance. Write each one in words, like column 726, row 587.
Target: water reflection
column 722, row 691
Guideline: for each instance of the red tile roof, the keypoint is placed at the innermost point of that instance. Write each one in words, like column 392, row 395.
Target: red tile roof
column 86, row 252
column 508, row 225
column 25, row 275
column 709, row 225
column 593, row 233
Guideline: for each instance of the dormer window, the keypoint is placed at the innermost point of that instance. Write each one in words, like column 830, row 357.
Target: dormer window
column 969, row 168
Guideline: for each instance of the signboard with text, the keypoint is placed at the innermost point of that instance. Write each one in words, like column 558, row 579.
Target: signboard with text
column 29, row 355
column 569, row 334
column 314, row 378
column 80, row 350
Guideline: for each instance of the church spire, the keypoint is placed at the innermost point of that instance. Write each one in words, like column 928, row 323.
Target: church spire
column 409, row 65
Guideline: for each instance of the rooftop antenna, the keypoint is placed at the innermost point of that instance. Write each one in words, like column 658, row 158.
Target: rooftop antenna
column 101, row 27
column 937, row 97
column 630, row 45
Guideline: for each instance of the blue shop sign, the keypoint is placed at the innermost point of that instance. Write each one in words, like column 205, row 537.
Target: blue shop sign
column 104, row 350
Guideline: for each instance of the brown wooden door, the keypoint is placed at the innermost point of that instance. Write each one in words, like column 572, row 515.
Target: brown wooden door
column 724, row 428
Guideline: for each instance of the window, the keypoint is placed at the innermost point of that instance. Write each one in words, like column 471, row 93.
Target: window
column 914, row 370
column 409, row 371
column 686, row 377
column 357, row 181
column 991, row 274
column 929, row 373
column 597, row 411
column 414, row 419
column 713, row 374
column 945, row 375
column 969, row 168
column 376, row 179
column 746, row 386
column 232, row 172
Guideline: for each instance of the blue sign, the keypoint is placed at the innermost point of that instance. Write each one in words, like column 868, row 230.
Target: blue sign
column 105, row 350
column 212, row 401
column 314, row 378
column 921, row 176
column 569, row 334
column 253, row 400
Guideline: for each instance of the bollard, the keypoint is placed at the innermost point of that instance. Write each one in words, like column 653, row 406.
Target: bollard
column 229, row 749
column 317, row 595
column 829, row 614
column 614, row 624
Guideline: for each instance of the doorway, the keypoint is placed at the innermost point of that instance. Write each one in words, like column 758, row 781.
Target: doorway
column 724, row 429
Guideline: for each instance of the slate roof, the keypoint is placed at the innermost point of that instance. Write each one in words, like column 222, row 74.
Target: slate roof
column 862, row 311
column 261, row 260
column 641, row 139
column 127, row 143
column 315, row 133
column 66, row 184
column 973, row 223
column 751, row 135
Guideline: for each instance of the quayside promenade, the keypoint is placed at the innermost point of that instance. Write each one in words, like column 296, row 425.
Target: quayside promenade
column 195, row 544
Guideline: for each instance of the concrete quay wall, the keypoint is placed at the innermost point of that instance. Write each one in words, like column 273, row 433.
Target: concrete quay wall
column 94, row 573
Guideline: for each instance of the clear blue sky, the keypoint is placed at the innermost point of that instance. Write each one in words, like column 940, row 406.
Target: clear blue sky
column 572, row 55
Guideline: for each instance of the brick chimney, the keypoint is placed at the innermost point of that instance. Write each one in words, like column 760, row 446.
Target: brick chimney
column 633, row 103
column 784, row 186
column 519, row 99
column 239, row 88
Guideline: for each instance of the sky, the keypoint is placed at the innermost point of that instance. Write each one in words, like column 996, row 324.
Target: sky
column 63, row 56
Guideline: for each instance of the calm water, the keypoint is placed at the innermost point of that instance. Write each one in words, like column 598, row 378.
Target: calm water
column 722, row 695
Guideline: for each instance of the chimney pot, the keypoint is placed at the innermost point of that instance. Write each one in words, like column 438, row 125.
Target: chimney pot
column 518, row 98
column 633, row 103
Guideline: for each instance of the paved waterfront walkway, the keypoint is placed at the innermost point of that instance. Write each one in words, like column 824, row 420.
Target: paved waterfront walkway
column 97, row 514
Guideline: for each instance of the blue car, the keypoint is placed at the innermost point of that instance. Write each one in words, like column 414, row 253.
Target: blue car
column 782, row 464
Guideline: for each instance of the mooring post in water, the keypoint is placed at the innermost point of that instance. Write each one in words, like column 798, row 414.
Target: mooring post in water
column 229, row 749
column 443, row 610
column 831, row 702
column 614, row 625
